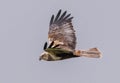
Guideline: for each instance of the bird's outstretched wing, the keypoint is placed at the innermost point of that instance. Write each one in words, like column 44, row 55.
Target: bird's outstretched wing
column 61, row 31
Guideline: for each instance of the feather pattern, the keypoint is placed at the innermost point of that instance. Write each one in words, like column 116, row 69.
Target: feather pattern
column 61, row 31
column 62, row 40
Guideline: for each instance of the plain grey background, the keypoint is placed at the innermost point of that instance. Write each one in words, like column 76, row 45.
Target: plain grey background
column 23, row 31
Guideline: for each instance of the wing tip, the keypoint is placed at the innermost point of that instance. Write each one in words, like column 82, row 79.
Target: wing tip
column 52, row 19
column 60, row 17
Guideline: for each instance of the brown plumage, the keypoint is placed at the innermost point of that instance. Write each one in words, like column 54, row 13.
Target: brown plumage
column 61, row 31
column 62, row 39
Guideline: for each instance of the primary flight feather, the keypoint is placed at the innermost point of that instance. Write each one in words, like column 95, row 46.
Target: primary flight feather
column 62, row 40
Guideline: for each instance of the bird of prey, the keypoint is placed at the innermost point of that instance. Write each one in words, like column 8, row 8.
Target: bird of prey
column 62, row 40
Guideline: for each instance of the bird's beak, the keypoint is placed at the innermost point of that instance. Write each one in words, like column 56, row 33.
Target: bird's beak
column 40, row 58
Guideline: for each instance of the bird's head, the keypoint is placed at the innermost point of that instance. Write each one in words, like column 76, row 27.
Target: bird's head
column 45, row 56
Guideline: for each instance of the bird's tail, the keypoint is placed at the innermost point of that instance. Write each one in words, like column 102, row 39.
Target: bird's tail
column 91, row 53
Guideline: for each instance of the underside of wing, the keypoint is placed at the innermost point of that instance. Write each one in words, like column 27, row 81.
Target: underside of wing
column 61, row 31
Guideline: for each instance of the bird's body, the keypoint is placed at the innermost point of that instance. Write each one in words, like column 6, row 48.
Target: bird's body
column 62, row 40
column 53, row 54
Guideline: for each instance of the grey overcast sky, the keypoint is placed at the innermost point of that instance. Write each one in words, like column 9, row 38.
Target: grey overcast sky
column 23, row 31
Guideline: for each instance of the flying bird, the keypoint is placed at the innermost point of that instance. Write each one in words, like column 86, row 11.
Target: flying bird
column 62, row 40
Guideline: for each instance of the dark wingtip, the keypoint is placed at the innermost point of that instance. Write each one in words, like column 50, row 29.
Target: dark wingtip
column 60, row 10
column 59, row 18
column 45, row 46
column 58, row 15
column 52, row 18
column 51, row 44
column 62, row 16
column 69, row 19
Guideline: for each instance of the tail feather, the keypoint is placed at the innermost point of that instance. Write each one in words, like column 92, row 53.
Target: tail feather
column 91, row 53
